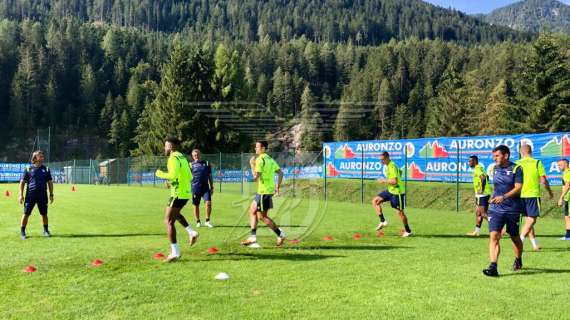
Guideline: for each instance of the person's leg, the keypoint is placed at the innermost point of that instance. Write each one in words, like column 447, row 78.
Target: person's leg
column 377, row 204
column 496, row 224
column 43, row 208
column 170, row 215
column 208, row 201
column 513, row 231
column 193, row 235
column 262, row 215
column 208, row 210
column 28, row 207
column 494, row 247
column 196, row 202
column 252, row 223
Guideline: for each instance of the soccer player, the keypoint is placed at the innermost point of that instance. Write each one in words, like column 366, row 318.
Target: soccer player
column 37, row 179
column 505, row 208
column 202, row 187
column 395, row 193
column 565, row 195
column 179, row 177
column 482, row 193
column 263, row 169
column 534, row 176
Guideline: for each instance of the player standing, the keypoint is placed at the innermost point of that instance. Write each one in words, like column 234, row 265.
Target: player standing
column 263, row 169
column 37, row 179
column 565, row 195
column 482, row 193
column 534, row 176
column 396, row 194
column 505, row 208
column 202, row 187
column 179, row 177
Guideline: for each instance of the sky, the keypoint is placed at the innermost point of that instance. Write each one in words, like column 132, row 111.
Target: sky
column 476, row 6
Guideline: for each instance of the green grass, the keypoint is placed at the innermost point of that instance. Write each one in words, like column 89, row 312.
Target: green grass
column 436, row 274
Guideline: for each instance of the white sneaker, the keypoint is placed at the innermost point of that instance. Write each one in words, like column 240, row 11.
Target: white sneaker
column 281, row 238
column 198, row 224
column 564, row 239
column 209, row 224
column 381, row 225
column 250, row 240
column 406, row 234
column 47, row 234
column 172, row 257
column 193, row 237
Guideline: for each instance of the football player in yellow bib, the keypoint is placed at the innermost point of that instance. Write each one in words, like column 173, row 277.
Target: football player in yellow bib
column 565, row 195
column 483, row 192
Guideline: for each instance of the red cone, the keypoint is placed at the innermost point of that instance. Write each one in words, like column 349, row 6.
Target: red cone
column 213, row 250
column 380, row 234
column 294, row 241
column 73, row 189
column 356, row 236
column 328, row 238
column 30, row 269
column 159, row 256
column 8, row 194
column 97, row 262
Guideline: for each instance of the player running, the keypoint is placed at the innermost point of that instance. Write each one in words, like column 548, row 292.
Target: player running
column 505, row 208
column 565, row 195
column 396, row 194
column 37, row 179
column 534, row 176
column 263, row 169
column 482, row 193
column 179, row 177
column 202, row 187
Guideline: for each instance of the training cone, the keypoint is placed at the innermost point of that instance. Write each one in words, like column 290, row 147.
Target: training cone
column 8, row 194
column 213, row 250
column 73, row 189
column 294, row 241
column 159, row 256
column 97, row 262
column 356, row 236
column 30, row 269
column 380, row 233
column 328, row 238
column 222, row 276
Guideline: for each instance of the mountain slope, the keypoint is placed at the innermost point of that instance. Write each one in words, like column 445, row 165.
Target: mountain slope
column 365, row 22
column 533, row 16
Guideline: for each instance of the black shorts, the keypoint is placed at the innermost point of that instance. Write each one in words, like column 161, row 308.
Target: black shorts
column 177, row 203
column 565, row 208
column 397, row 201
column 483, row 201
column 31, row 202
column 199, row 194
column 531, row 207
column 264, row 202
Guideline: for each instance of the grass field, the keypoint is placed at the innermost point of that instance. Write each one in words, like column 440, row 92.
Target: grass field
column 434, row 275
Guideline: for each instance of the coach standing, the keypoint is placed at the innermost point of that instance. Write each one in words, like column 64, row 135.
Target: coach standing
column 37, row 178
column 505, row 208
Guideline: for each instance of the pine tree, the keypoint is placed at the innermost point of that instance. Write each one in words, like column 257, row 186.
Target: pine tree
column 311, row 136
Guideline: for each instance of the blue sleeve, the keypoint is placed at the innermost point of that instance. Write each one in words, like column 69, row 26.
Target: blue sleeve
column 518, row 175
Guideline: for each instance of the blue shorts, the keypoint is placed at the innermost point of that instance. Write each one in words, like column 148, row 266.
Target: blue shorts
column 398, row 201
column 565, row 208
column 483, row 201
column 199, row 194
column 498, row 220
column 31, row 202
column 264, row 202
column 531, row 207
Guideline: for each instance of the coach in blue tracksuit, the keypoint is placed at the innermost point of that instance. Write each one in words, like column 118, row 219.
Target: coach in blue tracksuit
column 505, row 209
column 202, row 186
column 37, row 178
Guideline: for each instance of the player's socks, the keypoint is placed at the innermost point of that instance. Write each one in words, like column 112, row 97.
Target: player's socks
column 189, row 229
column 277, row 231
column 381, row 216
column 46, row 229
column 567, row 233
column 493, row 265
column 478, row 229
column 534, row 243
column 253, row 232
column 23, row 230
column 174, row 249
column 407, row 228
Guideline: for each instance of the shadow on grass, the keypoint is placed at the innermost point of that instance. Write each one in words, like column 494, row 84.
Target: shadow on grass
column 552, row 250
column 534, row 271
column 450, row 236
column 352, row 247
column 270, row 256
column 259, row 227
column 109, row 235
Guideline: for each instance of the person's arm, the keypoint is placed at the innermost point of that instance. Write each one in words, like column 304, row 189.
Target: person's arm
column 255, row 168
column 546, row 185
column 483, row 179
column 21, row 193
column 279, row 181
column 50, row 185
column 565, row 189
column 210, row 179
column 172, row 172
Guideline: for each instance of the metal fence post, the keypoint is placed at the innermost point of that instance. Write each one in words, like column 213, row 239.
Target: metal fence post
column 241, row 168
column 406, row 174
column 90, row 168
column 362, row 176
column 457, row 182
column 221, row 173
column 325, row 173
column 73, row 178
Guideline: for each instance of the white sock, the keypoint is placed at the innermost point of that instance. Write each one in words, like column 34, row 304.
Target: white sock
column 534, row 242
column 477, row 229
column 189, row 229
column 522, row 238
column 175, row 250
